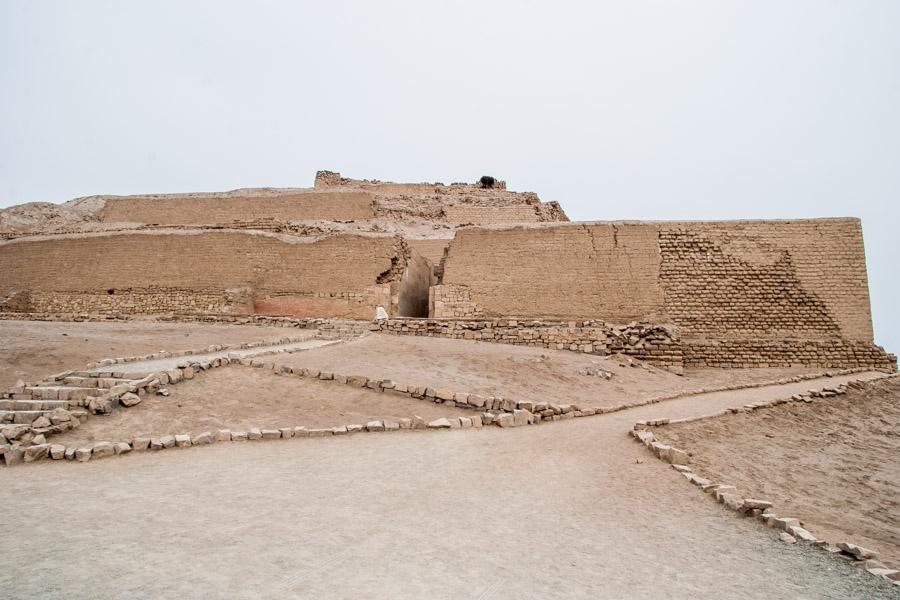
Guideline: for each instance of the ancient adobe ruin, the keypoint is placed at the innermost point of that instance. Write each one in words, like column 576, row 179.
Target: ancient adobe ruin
column 458, row 260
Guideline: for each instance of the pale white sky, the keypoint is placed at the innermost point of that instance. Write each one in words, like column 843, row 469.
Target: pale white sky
column 619, row 110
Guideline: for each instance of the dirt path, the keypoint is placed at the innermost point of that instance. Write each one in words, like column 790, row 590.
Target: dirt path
column 557, row 511
column 31, row 350
column 833, row 463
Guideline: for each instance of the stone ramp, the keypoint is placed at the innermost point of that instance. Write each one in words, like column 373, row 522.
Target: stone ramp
column 142, row 367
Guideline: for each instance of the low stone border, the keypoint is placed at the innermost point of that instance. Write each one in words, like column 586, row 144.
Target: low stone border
column 18, row 445
column 791, row 529
column 208, row 350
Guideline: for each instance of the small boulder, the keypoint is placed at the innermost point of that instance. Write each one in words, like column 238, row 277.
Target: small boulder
column 786, row 538
column 41, row 422
column 442, row 423
column 129, row 399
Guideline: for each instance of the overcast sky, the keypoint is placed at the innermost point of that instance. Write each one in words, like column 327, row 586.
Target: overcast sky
column 618, row 110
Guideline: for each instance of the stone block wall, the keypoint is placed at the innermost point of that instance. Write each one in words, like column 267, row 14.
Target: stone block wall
column 654, row 344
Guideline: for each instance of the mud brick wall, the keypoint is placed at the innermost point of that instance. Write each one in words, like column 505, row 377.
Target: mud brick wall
column 204, row 209
column 766, row 278
column 572, row 271
column 461, row 214
column 654, row 344
column 800, row 279
column 339, row 276
column 762, row 353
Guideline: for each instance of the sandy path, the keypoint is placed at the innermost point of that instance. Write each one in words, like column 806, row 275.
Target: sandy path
column 32, row 350
column 833, row 463
column 519, row 372
column 556, row 511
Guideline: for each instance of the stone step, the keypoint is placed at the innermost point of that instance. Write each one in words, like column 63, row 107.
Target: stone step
column 17, row 405
column 24, row 417
column 60, row 392
column 93, row 382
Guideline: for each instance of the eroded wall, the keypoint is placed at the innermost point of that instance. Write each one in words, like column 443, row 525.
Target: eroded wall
column 589, row 270
column 802, row 278
column 338, row 276
column 203, row 209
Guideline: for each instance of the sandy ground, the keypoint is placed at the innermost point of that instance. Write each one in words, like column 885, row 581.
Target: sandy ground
column 518, row 372
column 241, row 397
column 562, row 510
column 32, row 350
column 832, row 464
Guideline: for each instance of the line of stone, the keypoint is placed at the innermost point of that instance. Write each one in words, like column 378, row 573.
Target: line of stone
column 791, row 529
column 14, row 437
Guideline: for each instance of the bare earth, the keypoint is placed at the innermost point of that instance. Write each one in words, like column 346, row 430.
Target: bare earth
column 563, row 510
column 573, row 509
column 518, row 372
column 238, row 398
column 833, row 464
column 32, row 350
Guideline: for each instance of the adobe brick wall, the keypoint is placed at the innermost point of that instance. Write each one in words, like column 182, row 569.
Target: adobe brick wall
column 740, row 293
column 800, row 278
column 608, row 271
column 803, row 278
column 337, row 276
column 201, row 209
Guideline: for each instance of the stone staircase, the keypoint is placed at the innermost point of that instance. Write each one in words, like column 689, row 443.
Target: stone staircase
column 72, row 390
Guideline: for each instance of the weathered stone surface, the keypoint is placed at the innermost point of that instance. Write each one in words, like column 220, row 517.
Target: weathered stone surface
column 355, row 428
column 801, row 534
column 785, row 523
column 70, row 453
column 465, row 422
column 405, row 423
column 391, row 426
column 504, row 420
column 321, row 432
column 41, row 422
column 182, row 440
column 339, row 430
column 287, row 432
column 857, row 551
column 122, row 447
column 202, row 439
column 375, row 426
column 239, row 436
column 442, row 423
column 223, row 435
column 140, row 443
column 418, row 422
column 37, row 452
column 521, row 417
column 270, row 434
column 443, row 394
column 301, row 432
column 787, row 538
column 103, row 449
column 254, row 433
column 752, row 503
column 57, row 451
column 129, row 399
column 83, row 454
column 167, row 441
